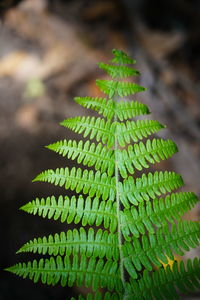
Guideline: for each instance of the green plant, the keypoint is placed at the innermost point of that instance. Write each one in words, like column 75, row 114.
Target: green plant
column 139, row 230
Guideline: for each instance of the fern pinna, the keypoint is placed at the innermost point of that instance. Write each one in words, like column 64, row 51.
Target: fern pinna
column 133, row 225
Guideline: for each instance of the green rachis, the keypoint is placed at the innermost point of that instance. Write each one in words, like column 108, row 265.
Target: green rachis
column 127, row 225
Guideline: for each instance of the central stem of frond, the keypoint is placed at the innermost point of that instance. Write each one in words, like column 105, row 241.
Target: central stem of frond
column 118, row 206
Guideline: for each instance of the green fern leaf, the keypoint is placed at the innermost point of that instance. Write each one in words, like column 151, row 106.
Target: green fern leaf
column 157, row 212
column 95, row 127
column 85, row 181
column 130, row 109
column 158, row 247
column 89, row 154
column 102, row 105
column 100, row 130
column 109, row 108
column 163, row 283
column 101, row 158
column 121, row 57
column 135, row 131
column 118, row 71
column 112, row 88
column 85, row 211
column 140, row 155
column 90, row 244
column 140, row 231
column 148, row 186
column 90, row 272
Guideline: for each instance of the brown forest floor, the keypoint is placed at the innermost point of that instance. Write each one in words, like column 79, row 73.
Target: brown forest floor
column 48, row 55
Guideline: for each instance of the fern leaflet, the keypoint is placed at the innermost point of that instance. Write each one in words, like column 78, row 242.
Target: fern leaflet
column 118, row 71
column 75, row 179
column 136, row 220
column 85, row 211
column 89, row 154
column 89, row 243
column 109, row 108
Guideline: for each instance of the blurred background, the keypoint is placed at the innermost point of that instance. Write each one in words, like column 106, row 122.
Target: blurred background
column 48, row 55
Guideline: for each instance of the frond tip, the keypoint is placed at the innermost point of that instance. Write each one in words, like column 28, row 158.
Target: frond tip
column 120, row 57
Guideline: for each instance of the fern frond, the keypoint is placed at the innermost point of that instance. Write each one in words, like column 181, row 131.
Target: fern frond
column 89, row 154
column 87, row 211
column 100, row 244
column 136, row 130
column 155, row 213
column 95, row 127
column 120, row 57
column 80, row 271
column 157, row 247
column 148, row 186
column 121, row 88
column 88, row 182
column 118, row 71
column 128, row 257
column 108, row 108
column 164, row 283
column 140, row 155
